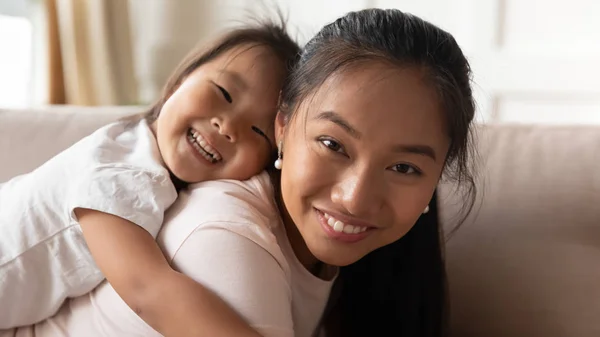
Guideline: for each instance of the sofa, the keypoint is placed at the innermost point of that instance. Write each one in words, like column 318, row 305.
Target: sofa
column 524, row 263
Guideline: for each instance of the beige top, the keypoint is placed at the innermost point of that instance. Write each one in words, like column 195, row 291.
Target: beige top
column 227, row 235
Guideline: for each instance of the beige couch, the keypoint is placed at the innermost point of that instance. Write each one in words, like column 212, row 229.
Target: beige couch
column 526, row 263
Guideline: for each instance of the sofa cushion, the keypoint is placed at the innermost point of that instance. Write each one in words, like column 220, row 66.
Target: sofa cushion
column 527, row 261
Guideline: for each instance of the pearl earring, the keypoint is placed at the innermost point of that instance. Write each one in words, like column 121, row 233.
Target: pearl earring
column 426, row 209
column 279, row 161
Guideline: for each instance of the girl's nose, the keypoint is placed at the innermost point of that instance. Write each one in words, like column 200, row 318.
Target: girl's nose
column 225, row 128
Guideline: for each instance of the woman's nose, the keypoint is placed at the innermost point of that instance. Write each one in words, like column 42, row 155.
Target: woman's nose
column 359, row 193
column 225, row 128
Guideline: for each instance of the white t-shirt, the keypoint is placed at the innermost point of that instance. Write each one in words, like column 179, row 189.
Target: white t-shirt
column 43, row 256
column 228, row 236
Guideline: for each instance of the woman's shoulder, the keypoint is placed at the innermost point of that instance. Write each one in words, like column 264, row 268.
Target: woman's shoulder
column 248, row 201
column 244, row 208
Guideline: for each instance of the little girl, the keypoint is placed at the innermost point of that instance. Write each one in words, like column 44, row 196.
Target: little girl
column 93, row 211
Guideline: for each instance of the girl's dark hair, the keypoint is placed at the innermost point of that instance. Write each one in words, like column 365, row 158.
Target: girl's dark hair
column 400, row 289
column 270, row 34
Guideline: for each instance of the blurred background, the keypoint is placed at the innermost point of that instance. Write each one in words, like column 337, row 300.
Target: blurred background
column 534, row 61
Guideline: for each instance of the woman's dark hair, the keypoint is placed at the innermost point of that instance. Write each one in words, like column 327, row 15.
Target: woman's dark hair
column 400, row 289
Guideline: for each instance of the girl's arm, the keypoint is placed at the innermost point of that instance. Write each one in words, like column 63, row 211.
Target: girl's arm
column 240, row 266
column 169, row 301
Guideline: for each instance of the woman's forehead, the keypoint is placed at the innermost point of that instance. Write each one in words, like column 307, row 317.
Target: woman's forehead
column 378, row 87
column 381, row 100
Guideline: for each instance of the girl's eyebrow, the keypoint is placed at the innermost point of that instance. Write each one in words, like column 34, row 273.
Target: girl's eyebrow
column 235, row 77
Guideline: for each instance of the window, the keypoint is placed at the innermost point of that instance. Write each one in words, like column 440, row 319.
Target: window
column 15, row 61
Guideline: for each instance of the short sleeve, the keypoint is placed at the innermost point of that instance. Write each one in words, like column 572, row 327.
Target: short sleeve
column 139, row 196
column 241, row 272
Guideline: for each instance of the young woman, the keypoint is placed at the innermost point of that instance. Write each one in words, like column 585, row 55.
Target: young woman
column 376, row 112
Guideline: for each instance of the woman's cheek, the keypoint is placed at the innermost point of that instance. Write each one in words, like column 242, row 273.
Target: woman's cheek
column 310, row 166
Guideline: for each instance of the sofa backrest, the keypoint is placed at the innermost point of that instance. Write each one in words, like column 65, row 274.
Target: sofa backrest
column 28, row 138
column 527, row 261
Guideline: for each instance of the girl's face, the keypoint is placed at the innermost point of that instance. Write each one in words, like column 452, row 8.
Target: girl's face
column 218, row 124
column 361, row 160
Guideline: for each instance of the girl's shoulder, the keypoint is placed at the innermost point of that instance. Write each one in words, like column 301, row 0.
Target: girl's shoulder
column 122, row 142
column 122, row 145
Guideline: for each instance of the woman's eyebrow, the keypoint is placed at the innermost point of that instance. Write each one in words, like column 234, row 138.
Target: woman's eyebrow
column 334, row 117
column 424, row 150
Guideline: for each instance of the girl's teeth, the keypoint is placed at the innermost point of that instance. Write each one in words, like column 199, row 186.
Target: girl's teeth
column 340, row 227
column 197, row 147
column 209, row 149
column 200, row 141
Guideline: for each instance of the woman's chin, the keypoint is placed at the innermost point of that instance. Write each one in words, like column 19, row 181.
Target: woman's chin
column 336, row 257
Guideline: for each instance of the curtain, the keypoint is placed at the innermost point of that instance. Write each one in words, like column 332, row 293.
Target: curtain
column 90, row 53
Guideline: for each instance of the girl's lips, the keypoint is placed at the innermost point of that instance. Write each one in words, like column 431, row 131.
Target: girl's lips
column 198, row 152
column 205, row 144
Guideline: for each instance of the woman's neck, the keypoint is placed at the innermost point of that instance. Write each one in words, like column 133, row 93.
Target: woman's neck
column 303, row 254
column 308, row 260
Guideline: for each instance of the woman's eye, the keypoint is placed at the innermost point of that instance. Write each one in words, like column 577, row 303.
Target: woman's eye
column 225, row 94
column 332, row 145
column 405, row 169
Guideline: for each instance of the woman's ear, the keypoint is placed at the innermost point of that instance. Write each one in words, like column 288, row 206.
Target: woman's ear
column 280, row 124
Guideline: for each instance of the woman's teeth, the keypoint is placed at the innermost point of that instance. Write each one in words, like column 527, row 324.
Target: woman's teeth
column 340, row 226
column 203, row 147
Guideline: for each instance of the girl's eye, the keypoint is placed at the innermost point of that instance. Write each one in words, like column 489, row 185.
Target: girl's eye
column 225, row 93
column 259, row 131
column 405, row 169
column 262, row 134
column 332, row 145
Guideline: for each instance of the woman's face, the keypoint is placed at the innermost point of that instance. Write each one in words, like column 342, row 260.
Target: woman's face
column 361, row 160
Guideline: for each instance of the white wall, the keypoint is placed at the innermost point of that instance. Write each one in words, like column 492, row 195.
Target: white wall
column 23, row 65
column 533, row 60
column 166, row 30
